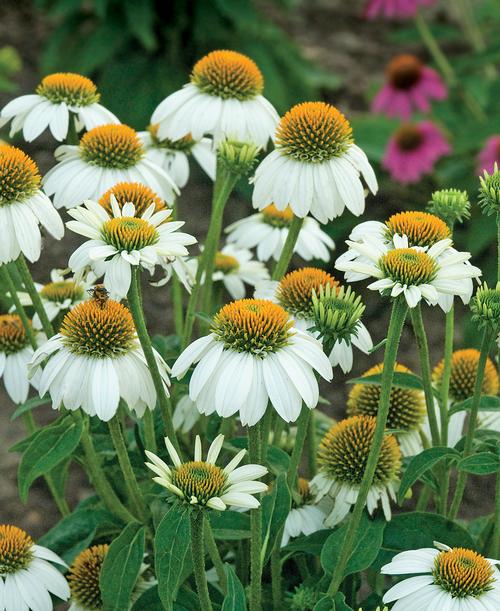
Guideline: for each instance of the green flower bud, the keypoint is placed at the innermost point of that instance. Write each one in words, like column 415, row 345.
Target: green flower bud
column 450, row 205
column 237, row 157
column 485, row 306
column 489, row 192
column 302, row 599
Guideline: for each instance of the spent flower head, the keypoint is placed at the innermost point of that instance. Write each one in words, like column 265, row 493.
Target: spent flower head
column 450, row 205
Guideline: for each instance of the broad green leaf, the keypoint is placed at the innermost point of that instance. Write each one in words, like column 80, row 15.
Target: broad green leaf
column 149, row 601
column 277, row 460
column 421, row 463
column 235, row 597
column 48, row 447
column 401, row 379
column 121, row 568
column 419, row 529
column 229, row 525
column 171, row 549
column 482, row 463
column 275, row 509
column 368, row 541
column 30, row 404
column 75, row 532
column 486, row 403
column 329, row 603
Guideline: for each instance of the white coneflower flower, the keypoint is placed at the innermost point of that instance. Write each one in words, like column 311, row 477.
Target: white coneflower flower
column 105, row 155
column 172, row 155
column 223, row 99
column 186, row 415
column 23, row 207
column 202, row 482
column 84, row 577
column 58, row 295
column 27, row 577
column 410, row 270
column 462, row 381
column 254, row 354
column 57, row 97
column 413, row 228
column 342, row 458
column 121, row 240
column 305, row 518
column 294, row 292
column 455, row 579
column 15, row 354
column 96, row 360
column 315, row 167
column 267, row 232
column 407, row 411
column 235, row 268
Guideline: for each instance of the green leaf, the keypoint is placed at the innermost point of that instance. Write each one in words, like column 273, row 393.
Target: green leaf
column 275, row 509
column 368, row 541
column 312, row 544
column 337, row 603
column 30, row 404
column 482, row 463
column 420, row 464
column 401, row 379
column 486, row 403
column 229, row 525
column 121, row 568
column 171, row 550
column 48, row 447
column 418, row 529
column 235, row 597
column 75, row 532
column 140, row 20
column 277, row 460
column 149, row 601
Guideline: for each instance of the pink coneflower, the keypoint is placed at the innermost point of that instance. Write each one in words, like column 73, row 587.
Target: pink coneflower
column 410, row 85
column 413, row 151
column 489, row 156
column 394, row 9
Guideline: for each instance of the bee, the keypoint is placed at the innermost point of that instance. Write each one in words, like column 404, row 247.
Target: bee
column 99, row 294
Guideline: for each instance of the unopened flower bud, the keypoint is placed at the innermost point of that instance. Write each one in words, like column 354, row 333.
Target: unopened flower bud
column 450, row 205
column 485, row 306
column 237, row 157
column 489, row 191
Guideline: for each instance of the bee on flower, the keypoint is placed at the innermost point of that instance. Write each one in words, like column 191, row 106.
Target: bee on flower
column 254, row 354
column 173, row 155
column 202, row 482
column 106, row 155
column 23, row 207
column 267, row 232
column 316, row 167
column 223, row 99
column 60, row 98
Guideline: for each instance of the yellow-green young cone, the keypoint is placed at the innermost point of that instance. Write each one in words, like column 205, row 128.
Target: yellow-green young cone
column 489, row 192
column 237, row 157
column 485, row 306
column 337, row 312
column 450, row 205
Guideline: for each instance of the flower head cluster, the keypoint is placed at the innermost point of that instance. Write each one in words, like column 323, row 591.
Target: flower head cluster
column 60, row 98
column 456, row 578
column 223, row 98
column 254, row 354
column 96, row 360
column 202, row 482
column 315, row 167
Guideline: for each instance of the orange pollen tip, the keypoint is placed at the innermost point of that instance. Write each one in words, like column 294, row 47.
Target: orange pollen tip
column 112, row 146
column 463, row 572
column 295, row 290
column 277, row 218
column 19, row 175
column 15, row 549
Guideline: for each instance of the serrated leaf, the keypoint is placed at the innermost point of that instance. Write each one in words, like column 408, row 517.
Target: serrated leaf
column 275, row 509
column 171, row 550
column 48, row 447
column 401, row 380
column 235, row 597
column 420, row 464
column 482, row 463
column 368, row 541
column 121, row 568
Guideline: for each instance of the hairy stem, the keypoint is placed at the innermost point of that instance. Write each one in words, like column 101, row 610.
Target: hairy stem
column 198, row 554
column 29, row 285
column 215, row 557
column 255, row 451
column 287, row 252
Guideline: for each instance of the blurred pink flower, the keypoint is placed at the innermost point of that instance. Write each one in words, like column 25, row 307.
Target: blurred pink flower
column 394, row 9
column 413, row 151
column 489, row 155
column 410, row 85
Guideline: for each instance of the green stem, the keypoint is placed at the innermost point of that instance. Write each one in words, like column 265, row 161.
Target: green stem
column 424, row 498
column 215, row 557
column 495, row 553
column 471, row 429
column 287, row 252
column 72, row 135
column 134, row 493
column 398, row 315
column 276, row 581
column 35, row 297
column 298, row 447
column 135, row 304
column 149, row 431
column 21, row 312
column 178, row 305
column 98, row 478
column 224, row 184
column 498, row 247
column 254, row 446
column 198, row 554
column 311, row 446
column 425, row 369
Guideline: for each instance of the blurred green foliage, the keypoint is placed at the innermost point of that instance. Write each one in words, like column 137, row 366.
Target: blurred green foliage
column 10, row 64
column 140, row 51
